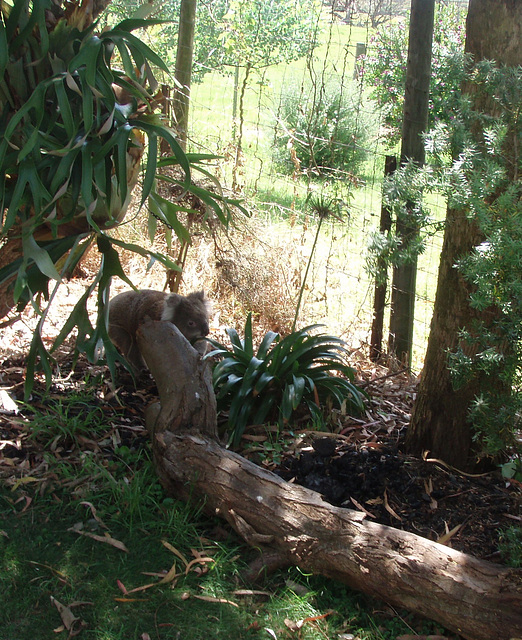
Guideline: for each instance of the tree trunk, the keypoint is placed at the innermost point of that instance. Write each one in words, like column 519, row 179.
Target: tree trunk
column 476, row 599
column 439, row 421
column 10, row 250
column 440, row 416
column 187, row 23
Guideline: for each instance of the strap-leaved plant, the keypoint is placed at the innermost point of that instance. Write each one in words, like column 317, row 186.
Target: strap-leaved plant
column 80, row 126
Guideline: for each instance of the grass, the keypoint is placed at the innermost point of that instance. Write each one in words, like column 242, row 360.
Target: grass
column 62, row 500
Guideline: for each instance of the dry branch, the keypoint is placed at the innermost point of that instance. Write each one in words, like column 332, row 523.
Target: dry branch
column 477, row 599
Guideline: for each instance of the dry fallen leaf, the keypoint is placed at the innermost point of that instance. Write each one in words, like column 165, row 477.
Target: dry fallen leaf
column 446, row 537
column 175, row 552
column 201, row 560
column 106, row 539
column 361, row 508
column 292, row 625
column 388, row 508
column 122, row 587
column 212, row 599
column 93, row 511
column 73, row 624
column 67, row 616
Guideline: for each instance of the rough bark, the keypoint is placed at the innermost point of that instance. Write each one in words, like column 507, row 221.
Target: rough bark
column 439, row 422
column 183, row 378
column 414, row 125
column 476, row 599
column 440, row 416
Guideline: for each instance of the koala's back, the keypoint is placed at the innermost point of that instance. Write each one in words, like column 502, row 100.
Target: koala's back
column 129, row 309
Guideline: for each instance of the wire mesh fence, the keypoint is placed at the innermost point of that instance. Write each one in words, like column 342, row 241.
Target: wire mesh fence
column 239, row 116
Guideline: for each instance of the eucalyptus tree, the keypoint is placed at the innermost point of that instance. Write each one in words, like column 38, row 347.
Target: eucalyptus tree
column 470, row 393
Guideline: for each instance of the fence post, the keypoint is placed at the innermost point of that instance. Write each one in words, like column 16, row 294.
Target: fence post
column 379, row 300
column 360, row 50
column 415, row 121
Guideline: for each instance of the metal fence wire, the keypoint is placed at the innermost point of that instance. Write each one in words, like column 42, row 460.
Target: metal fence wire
column 241, row 117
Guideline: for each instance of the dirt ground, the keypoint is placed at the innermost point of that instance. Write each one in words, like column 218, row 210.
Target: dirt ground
column 357, row 464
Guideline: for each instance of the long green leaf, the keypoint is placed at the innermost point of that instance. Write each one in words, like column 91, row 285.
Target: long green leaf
column 248, row 342
column 4, row 55
column 166, row 134
column 36, row 101
column 167, row 212
column 87, row 101
column 87, row 178
column 131, row 24
column 87, row 57
column 263, row 409
column 138, row 48
column 37, row 353
column 136, row 248
column 234, row 338
column 268, row 340
column 150, row 170
column 262, row 382
column 126, row 59
column 40, row 256
column 65, row 108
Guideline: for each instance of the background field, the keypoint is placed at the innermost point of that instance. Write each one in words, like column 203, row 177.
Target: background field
column 339, row 291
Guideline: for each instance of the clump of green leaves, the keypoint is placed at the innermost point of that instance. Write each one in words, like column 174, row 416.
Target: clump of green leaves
column 282, row 375
column 510, row 546
column 325, row 128
column 230, row 33
column 80, row 122
column 486, row 184
column 473, row 161
column 64, row 420
column 403, row 195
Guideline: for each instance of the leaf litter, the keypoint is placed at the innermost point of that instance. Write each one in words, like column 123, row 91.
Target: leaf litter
column 356, row 462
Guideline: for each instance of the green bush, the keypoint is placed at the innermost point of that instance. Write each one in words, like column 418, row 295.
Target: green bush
column 510, row 546
column 282, row 375
column 384, row 69
column 326, row 129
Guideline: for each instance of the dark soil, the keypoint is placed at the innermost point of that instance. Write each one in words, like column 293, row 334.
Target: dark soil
column 393, row 489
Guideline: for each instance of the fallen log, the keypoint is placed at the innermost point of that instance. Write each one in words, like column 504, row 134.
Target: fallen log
column 477, row 599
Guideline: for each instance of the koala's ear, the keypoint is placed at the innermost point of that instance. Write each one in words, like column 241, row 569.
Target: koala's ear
column 170, row 305
column 200, row 295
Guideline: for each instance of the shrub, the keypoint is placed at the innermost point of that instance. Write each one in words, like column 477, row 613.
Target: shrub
column 385, row 69
column 510, row 546
column 282, row 375
column 325, row 130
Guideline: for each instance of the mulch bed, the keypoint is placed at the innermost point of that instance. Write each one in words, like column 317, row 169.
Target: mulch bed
column 404, row 492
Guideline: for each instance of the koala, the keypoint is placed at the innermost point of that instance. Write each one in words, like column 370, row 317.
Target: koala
column 128, row 310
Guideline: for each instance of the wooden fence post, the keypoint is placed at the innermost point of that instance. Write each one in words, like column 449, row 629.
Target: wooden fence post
column 379, row 300
column 415, row 122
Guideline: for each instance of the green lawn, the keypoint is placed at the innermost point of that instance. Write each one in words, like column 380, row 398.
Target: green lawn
column 67, row 494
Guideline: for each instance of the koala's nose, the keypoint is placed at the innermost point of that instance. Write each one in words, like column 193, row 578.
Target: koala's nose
column 205, row 330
